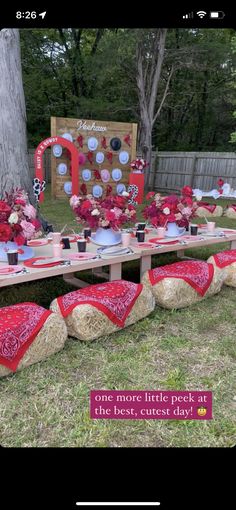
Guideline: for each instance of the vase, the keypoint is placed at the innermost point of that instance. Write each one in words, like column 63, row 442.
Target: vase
column 106, row 237
column 173, row 230
column 24, row 252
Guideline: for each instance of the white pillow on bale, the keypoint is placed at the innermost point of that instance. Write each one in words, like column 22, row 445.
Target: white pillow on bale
column 87, row 322
column 174, row 293
column 49, row 340
column 225, row 262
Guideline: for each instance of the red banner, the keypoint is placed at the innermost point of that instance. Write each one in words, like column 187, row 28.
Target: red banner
column 38, row 161
column 138, row 180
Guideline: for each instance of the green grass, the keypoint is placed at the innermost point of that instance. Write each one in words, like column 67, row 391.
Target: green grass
column 47, row 404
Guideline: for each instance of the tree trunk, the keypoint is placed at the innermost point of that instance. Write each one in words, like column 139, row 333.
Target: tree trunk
column 14, row 165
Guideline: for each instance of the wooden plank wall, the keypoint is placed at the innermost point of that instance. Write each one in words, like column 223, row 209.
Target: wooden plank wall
column 172, row 170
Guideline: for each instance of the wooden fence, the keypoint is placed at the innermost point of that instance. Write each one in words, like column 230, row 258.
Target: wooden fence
column 170, row 171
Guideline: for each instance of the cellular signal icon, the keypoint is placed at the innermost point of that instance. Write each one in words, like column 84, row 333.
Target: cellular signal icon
column 201, row 14
column 188, row 16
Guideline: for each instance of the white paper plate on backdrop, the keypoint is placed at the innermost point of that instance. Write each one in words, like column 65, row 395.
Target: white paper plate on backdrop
column 68, row 136
column 92, row 143
column 123, row 157
column 68, row 188
column 62, row 169
column 57, row 150
column 99, row 158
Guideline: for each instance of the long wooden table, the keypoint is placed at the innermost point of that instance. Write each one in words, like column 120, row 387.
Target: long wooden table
column 114, row 263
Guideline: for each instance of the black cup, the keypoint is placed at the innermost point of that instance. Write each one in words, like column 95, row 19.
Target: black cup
column 87, row 232
column 81, row 243
column 66, row 243
column 49, row 228
column 193, row 230
column 140, row 236
column 141, row 226
column 12, row 257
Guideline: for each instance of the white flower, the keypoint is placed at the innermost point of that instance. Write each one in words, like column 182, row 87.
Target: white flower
column 74, row 201
column 166, row 210
column 95, row 212
column 13, row 218
column 198, row 198
column 125, row 194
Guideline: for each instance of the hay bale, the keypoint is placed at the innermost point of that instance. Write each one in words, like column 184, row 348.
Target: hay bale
column 174, row 293
column 228, row 272
column 230, row 213
column 49, row 340
column 202, row 211
column 86, row 322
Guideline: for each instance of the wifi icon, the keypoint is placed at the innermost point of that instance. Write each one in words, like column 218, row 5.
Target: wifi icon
column 201, row 14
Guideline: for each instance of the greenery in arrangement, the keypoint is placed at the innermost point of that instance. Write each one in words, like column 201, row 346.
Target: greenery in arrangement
column 47, row 404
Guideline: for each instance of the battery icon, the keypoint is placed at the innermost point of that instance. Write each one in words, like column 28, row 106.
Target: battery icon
column 217, row 14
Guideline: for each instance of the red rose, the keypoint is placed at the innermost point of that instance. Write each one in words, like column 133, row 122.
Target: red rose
column 19, row 239
column 220, row 191
column 150, row 195
column 36, row 224
column 86, row 205
column 187, row 191
column 220, row 182
column 20, row 201
column 5, row 210
column 5, row 232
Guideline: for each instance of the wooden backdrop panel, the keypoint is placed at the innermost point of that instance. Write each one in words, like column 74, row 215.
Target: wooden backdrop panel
column 97, row 129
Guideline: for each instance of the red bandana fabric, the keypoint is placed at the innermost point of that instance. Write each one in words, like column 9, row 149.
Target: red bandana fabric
column 208, row 207
column 19, row 325
column 196, row 273
column 232, row 206
column 115, row 299
column 225, row 258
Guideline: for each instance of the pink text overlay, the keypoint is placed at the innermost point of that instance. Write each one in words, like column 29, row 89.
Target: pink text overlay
column 150, row 405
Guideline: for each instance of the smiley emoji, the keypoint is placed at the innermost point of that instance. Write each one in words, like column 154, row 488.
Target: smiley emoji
column 201, row 411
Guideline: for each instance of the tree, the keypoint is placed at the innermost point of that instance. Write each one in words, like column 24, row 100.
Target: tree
column 150, row 56
column 14, row 166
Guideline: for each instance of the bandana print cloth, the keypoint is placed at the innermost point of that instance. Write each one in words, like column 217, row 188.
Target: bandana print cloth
column 115, row 299
column 19, row 325
column 232, row 206
column 196, row 273
column 206, row 206
column 225, row 258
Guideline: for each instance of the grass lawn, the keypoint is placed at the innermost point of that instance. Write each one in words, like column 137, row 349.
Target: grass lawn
column 47, row 404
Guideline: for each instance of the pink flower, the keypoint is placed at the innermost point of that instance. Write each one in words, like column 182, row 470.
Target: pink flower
column 150, row 195
column 166, row 210
column 74, row 201
column 29, row 211
column 28, row 229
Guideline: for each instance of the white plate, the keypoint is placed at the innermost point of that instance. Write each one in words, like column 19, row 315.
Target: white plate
column 68, row 136
column 57, row 150
column 99, row 244
column 112, row 250
column 123, row 157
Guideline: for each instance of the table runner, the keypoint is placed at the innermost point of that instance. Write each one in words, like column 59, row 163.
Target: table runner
column 19, row 325
column 115, row 299
column 196, row 273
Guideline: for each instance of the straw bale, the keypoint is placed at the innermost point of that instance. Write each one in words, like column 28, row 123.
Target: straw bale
column 173, row 293
column 229, row 272
column 86, row 322
column 201, row 212
column 230, row 213
column 49, row 340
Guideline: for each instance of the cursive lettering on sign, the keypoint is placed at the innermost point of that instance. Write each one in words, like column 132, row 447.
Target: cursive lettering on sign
column 89, row 127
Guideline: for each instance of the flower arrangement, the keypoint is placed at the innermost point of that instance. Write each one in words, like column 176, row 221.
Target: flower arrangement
column 18, row 221
column 109, row 212
column 220, row 184
column 171, row 208
column 138, row 165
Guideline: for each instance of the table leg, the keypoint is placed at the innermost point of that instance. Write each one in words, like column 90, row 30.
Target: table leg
column 180, row 254
column 76, row 282
column 145, row 264
column 115, row 272
column 233, row 245
column 98, row 271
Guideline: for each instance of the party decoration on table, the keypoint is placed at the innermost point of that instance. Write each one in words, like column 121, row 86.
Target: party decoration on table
column 171, row 209
column 80, row 140
column 102, row 143
column 183, row 283
column 127, row 140
column 18, row 218
column 97, row 175
column 81, row 256
column 109, row 156
column 5, row 270
column 83, row 189
column 28, row 333
column 37, row 242
column 43, row 262
column 38, row 160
